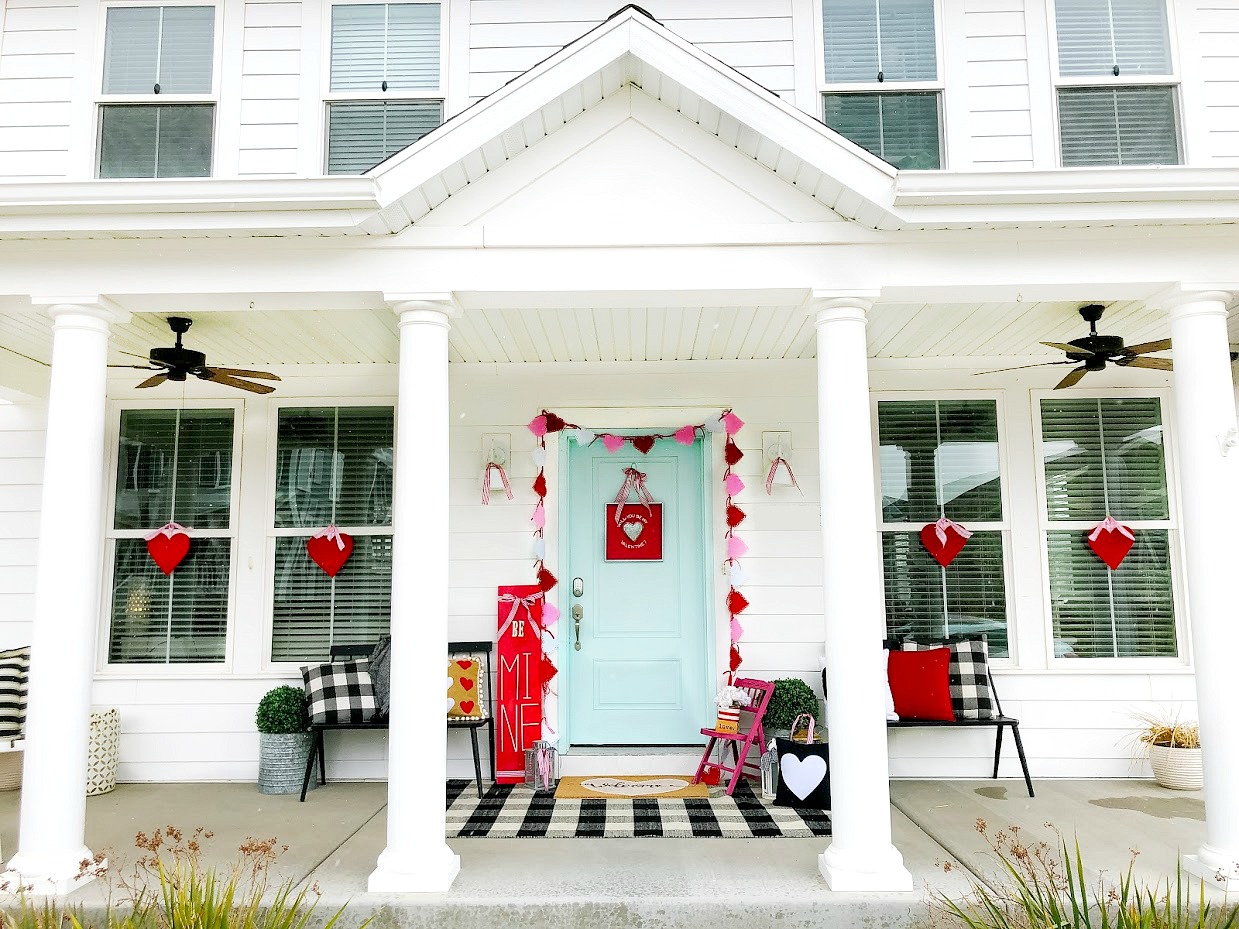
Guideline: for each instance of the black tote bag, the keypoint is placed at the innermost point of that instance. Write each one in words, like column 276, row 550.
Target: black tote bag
column 804, row 771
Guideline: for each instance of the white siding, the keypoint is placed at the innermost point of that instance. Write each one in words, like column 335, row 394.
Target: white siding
column 271, row 89
column 1217, row 58
column 996, row 81
column 21, row 476
column 507, row 37
column 36, row 86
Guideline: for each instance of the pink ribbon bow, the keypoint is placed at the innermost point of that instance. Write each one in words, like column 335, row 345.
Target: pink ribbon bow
column 943, row 524
column 503, row 476
column 774, row 468
column 331, row 532
column 170, row 530
column 517, row 603
column 1113, row 525
column 634, row 482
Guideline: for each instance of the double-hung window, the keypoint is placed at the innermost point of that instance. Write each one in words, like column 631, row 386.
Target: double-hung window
column 1116, row 83
column 385, row 83
column 940, row 458
column 1107, row 457
column 172, row 466
column 882, row 88
column 333, row 467
column 157, row 112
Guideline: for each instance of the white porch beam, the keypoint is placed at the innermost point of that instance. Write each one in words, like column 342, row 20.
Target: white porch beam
column 1208, row 460
column 417, row 858
column 52, row 830
column 861, row 856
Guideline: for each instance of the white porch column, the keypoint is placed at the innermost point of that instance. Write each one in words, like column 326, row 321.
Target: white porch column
column 860, row 856
column 52, row 830
column 1208, row 461
column 417, row 858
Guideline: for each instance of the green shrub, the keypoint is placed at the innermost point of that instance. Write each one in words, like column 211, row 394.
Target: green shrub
column 283, row 710
column 791, row 697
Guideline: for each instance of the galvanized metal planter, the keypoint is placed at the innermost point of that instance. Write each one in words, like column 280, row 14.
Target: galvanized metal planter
column 281, row 761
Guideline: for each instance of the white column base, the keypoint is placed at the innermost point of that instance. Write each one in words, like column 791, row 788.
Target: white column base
column 48, row 879
column 1219, row 871
column 428, row 873
column 878, row 872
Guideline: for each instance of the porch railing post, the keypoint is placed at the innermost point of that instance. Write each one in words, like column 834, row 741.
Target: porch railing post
column 861, row 856
column 417, row 858
column 1208, row 461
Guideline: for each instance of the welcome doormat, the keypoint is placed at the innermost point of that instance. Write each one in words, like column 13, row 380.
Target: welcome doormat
column 508, row 811
column 637, row 787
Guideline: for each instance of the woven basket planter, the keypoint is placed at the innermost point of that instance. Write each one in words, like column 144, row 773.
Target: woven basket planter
column 1177, row 768
column 281, row 761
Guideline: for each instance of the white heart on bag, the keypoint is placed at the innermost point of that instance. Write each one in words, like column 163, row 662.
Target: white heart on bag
column 633, row 529
column 802, row 777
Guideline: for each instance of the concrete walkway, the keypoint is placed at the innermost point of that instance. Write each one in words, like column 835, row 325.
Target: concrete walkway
column 336, row 835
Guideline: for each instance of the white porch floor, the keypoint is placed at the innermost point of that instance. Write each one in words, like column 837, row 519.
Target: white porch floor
column 336, row 835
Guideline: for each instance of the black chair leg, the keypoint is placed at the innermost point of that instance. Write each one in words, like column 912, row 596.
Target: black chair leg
column 997, row 748
column 309, row 768
column 1019, row 747
column 322, row 760
column 477, row 761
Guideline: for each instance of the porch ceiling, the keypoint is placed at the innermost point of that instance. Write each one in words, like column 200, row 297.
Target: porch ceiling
column 604, row 333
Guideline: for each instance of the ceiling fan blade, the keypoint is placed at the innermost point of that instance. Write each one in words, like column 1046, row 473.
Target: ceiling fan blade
column 1065, row 347
column 137, row 367
column 239, row 372
column 1072, row 378
column 121, row 351
column 1135, row 361
column 1040, row 364
column 216, row 377
column 1144, row 348
column 154, row 381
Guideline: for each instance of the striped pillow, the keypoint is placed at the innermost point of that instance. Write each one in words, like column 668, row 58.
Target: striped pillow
column 14, row 674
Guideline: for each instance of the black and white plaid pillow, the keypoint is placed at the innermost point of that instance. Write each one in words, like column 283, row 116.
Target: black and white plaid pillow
column 968, row 674
column 14, row 677
column 340, row 693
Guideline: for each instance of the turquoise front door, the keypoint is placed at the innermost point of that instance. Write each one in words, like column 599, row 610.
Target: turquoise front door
column 639, row 675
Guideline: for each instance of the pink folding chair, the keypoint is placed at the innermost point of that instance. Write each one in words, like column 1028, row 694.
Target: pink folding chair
column 741, row 742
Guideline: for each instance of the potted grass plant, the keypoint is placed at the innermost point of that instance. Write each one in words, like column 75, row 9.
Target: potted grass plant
column 284, row 740
column 1174, row 751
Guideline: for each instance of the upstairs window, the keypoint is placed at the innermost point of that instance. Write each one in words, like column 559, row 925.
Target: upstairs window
column 385, row 82
column 157, row 112
column 1116, row 83
column 881, row 78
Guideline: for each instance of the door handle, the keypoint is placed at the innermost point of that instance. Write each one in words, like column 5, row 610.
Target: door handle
column 577, row 612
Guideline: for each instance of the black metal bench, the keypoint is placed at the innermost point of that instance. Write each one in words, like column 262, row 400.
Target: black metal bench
column 347, row 652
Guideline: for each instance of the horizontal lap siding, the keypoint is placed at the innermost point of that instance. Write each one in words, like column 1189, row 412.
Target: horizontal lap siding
column 271, row 81
column 1218, row 49
column 22, row 431
column 37, row 64
column 507, row 37
column 997, row 79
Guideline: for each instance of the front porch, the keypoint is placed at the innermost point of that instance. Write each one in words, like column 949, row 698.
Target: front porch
column 336, row 835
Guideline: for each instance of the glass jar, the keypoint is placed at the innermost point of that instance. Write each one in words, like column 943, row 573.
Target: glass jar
column 542, row 767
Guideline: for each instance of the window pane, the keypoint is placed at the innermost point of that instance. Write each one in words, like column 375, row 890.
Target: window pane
column 908, row 51
column 162, row 450
column 863, row 37
column 360, row 135
column 156, row 141
column 357, row 47
column 186, row 50
column 973, row 589
column 1142, row 36
column 850, row 39
column 899, row 128
column 1118, row 126
column 313, row 611
column 127, row 144
column 334, row 466
column 185, row 141
column 413, row 46
column 1104, row 457
column 1095, row 35
column 131, row 50
column 174, row 619
column 1099, row 613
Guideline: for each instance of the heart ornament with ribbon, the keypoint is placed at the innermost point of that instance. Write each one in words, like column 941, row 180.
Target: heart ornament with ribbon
column 634, row 531
column 168, row 546
column 330, row 548
column 944, row 540
column 1111, row 541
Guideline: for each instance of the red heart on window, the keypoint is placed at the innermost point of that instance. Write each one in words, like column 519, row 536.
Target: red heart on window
column 466, row 683
column 168, row 551
column 642, row 443
column 327, row 553
column 467, row 706
column 943, row 552
column 464, row 665
column 1111, row 546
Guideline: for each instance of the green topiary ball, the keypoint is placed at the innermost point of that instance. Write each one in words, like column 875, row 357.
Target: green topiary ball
column 283, row 710
column 791, row 697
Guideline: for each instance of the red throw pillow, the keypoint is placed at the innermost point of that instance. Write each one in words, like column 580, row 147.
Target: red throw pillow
column 920, row 683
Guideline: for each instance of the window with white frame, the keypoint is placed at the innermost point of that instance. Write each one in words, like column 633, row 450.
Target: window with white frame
column 385, row 83
column 1106, row 457
column 333, row 467
column 157, row 112
column 1116, row 83
column 172, row 466
column 941, row 458
column 882, row 89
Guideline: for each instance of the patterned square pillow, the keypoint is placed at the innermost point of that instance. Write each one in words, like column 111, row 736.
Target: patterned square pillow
column 380, row 675
column 340, row 692
column 971, row 697
column 14, row 679
column 464, row 689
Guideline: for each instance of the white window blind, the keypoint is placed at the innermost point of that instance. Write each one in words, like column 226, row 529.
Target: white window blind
column 172, row 466
column 333, row 466
column 901, row 128
column 163, row 50
column 1118, row 126
column 1096, row 36
column 1106, row 457
column 941, row 458
column 380, row 47
column 867, row 41
column 361, row 134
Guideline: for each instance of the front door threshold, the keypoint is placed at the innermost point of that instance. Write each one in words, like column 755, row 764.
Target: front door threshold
column 592, row 760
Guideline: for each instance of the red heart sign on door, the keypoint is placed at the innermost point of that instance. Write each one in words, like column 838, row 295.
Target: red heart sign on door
column 637, row 534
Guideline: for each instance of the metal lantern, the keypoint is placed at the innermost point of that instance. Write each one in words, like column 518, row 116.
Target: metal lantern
column 542, row 767
column 769, row 772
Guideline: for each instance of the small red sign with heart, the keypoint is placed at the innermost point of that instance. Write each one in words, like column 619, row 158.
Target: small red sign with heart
column 168, row 551
column 637, row 533
column 1111, row 541
column 328, row 553
column 944, row 540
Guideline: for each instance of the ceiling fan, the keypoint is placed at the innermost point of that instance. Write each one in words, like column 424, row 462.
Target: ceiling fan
column 1093, row 352
column 178, row 362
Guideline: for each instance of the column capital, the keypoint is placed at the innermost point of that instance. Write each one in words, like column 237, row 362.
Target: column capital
column 95, row 305
column 1193, row 300
column 440, row 304
column 830, row 305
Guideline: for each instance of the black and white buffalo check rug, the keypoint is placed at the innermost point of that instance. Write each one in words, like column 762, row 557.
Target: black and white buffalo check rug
column 508, row 811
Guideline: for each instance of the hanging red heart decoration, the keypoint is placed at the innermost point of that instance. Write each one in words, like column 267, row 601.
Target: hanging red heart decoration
column 1111, row 541
column 548, row 670
column 642, row 443
column 735, row 659
column 554, row 423
column 168, row 548
column 732, row 453
column 944, row 540
column 546, row 580
column 735, row 515
column 330, row 549
column 736, row 603
column 539, row 484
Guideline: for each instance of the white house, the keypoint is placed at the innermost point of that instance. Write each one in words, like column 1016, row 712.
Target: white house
column 436, row 219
